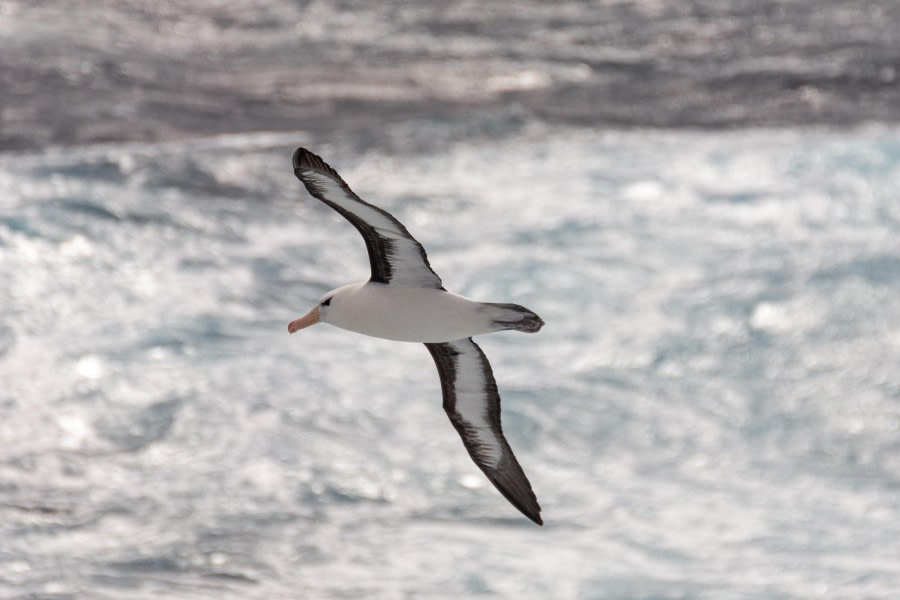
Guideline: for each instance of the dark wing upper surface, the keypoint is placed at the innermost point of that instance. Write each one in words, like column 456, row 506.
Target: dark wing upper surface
column 473, row 405
column 395, row 256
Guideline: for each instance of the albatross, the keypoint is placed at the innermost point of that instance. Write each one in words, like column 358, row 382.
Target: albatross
column 405, row 300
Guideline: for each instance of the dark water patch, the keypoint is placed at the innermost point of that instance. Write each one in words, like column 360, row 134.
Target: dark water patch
column 194, row 263
column 36, row 509
column 231, row 577
column 49, row 514
column 152, row 219
column 268, row 270
column 210, row 328
column 735, row 198
column 207, row 334
column 19, row 225
column 882, row 269
column 163, row 341
column 150, row 564
column 84, row 208
column 97, row 170
column 137, row 431
column 326, row 494
column 45, row 596
column 677, row 350
column 7, row 339
column 188, row 176
column 560, row 232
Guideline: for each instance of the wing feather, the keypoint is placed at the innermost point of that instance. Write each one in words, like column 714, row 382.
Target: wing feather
column 472, row 402
column 396, row 258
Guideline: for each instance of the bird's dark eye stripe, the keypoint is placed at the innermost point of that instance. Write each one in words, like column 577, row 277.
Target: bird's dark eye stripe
column 326, row 301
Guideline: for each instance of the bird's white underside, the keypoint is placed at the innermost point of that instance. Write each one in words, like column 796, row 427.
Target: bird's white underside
column 470, row 387
column 406, row 314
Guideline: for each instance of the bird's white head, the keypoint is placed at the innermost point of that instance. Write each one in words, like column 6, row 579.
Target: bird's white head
column 317, row 314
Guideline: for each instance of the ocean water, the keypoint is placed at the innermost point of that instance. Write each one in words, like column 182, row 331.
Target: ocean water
column 712, row 410
column 83, row 71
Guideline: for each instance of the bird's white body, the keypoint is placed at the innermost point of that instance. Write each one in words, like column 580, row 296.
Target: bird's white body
column 407, row 314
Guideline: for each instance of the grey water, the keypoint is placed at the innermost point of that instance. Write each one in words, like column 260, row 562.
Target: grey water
column 711, row 411
column 78, row 71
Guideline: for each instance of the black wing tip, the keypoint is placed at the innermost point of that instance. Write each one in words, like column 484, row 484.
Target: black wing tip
column 304, row 160
column 532, row 512
column 303, row 157
column 515, row 487
column 528, row 506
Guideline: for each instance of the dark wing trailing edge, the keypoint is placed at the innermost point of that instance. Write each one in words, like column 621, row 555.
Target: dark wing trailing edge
column 473, row 405
column 395, row 256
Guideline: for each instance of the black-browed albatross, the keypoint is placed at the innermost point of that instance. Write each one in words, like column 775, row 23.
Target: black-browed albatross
column 405, row 300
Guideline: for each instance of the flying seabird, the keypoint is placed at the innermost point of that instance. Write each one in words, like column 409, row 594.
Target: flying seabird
column 405, row 300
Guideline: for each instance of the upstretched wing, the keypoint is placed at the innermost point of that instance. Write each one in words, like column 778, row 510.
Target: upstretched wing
column 473, row 405
column 395, row 256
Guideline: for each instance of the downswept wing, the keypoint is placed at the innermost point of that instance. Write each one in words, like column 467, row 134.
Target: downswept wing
column 473, row 405
column 395, row 256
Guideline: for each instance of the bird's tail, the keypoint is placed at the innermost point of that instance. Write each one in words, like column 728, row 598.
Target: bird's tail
column 513, row 316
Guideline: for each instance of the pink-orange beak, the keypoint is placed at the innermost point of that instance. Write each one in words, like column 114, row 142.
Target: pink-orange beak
column 311, row 318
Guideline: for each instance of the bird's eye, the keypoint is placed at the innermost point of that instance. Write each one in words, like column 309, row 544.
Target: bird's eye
column 326, row 301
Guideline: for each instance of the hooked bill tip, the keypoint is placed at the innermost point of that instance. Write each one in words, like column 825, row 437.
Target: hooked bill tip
column 311, row 318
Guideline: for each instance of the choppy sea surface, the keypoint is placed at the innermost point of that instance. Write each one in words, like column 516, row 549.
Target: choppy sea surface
column 88, row 71
column 712, row 410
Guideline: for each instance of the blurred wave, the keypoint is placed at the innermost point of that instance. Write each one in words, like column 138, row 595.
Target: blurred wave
column 82, row 71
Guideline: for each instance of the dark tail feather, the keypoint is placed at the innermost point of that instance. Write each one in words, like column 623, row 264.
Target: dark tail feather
column 513, row 316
